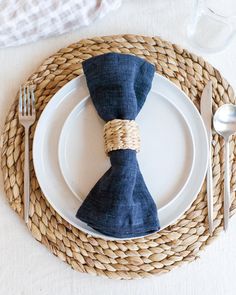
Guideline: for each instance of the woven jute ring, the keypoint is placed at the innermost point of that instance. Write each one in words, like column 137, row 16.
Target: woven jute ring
column 155, row 254
column 121, row 135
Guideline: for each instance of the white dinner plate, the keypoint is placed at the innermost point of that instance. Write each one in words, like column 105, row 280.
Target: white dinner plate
column 173, row 157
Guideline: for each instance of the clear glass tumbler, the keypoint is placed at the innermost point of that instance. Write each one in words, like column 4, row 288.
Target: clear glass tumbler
column 212, row 24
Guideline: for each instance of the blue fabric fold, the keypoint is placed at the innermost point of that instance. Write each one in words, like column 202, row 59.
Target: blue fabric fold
column 119, row 205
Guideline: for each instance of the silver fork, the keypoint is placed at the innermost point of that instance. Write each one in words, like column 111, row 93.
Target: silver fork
column 27, row 117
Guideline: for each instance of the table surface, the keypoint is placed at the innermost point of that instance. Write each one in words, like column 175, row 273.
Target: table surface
column 27, row 267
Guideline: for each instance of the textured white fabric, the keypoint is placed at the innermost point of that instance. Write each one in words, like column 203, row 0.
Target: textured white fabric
column 24, row 21
column 26, row 266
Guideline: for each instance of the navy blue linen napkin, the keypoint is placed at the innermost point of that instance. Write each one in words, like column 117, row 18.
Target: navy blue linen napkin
column 119, row 204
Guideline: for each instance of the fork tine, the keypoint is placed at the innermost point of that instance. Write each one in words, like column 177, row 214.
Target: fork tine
column 20, row 100
column 25, row 103
column 28, row 101
column 33, row 100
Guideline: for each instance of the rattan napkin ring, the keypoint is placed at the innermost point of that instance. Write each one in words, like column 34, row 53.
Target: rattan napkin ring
column 121, row 135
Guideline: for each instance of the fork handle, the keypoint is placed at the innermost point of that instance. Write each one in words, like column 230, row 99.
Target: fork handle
column 26, row 177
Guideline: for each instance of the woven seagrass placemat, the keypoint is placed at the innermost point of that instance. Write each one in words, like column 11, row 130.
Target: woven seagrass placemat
column 155, row 254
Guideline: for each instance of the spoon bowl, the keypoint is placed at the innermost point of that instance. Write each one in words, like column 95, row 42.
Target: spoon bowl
column 224, row 122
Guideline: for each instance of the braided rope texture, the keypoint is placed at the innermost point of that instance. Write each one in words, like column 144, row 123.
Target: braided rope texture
column 121, row 135
column 131, row 259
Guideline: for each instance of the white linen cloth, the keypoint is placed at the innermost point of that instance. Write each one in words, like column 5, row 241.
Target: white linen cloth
column 29, row 268
column 24, row 21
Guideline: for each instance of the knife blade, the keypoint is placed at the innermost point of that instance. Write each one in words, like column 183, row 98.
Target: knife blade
column 206, row 113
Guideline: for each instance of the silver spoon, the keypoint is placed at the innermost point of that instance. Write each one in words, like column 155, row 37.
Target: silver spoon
column 224, row 122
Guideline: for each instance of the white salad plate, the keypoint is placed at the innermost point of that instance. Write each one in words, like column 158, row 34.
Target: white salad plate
column 81, row 149
column 69, row 157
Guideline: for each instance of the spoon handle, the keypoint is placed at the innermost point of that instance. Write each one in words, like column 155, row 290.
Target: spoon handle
column 226, row 186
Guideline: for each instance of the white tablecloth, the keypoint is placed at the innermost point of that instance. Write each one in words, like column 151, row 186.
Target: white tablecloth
column 27, row 267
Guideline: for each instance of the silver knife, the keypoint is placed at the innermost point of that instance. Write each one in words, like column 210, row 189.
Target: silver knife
column 206, row 112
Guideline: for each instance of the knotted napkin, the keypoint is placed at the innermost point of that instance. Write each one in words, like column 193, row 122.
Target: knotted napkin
column 119, row 204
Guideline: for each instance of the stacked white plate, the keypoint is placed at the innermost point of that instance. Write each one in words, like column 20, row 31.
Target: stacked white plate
column 69, row 157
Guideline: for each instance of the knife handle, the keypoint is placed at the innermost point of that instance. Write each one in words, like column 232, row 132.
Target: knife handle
column 210, row 191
